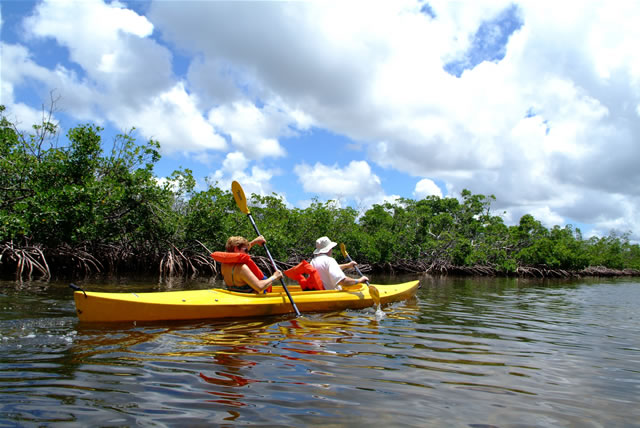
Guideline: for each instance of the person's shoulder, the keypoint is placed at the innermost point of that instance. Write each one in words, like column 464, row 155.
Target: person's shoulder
column 322, row 258
column 244, row 268
column 319, row 260
column 332, row 261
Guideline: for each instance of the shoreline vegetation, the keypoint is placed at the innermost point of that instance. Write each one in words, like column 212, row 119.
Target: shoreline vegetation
column 33, row 263
column 84, row 207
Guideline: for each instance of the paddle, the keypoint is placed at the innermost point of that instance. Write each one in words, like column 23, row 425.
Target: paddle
column 241, row 201
column 373, row 291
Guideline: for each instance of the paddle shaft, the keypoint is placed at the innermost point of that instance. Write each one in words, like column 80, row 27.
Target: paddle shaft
column 356, row 266
column 273, row 263
column 373, row 291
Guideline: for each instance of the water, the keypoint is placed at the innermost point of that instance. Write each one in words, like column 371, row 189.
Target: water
column 464, row 352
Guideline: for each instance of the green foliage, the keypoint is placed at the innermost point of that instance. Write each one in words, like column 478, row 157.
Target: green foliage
column 210, row 216
column 78, row 195
column 613, row 251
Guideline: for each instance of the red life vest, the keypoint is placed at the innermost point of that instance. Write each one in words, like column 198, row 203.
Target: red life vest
column 310, row 282
column 239, row 258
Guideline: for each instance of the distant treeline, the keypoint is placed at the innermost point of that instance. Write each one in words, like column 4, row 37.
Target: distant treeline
column 79, row 209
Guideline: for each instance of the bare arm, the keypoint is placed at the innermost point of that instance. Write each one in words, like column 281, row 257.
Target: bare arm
column 258, row 285
column 258, row 241
column 353, row 281
column 349, row 265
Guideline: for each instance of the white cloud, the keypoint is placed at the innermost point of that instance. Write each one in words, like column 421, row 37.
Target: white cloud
column 18, row 69
column 253, row 180
column 128, row 75
column 473, row 131
column 252, row 130
column 172, row 118
column 355, row 182
column 95, row 37
column 550, row 129
column 22, row 115
column 546, row 216
column 426, row 187
column 174, row 185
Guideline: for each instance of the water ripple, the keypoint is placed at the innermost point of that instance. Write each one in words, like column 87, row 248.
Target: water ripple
column 463, row 353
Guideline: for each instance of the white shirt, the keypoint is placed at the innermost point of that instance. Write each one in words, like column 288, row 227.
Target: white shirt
column 329, row 271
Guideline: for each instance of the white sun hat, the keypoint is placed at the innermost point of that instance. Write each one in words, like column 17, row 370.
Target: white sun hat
column 323, row 245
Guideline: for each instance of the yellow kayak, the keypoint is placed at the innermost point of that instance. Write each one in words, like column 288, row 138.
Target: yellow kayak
column 219, row 303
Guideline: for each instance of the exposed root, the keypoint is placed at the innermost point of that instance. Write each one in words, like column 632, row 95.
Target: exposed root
column 82, row 260
column 604, row 271
column 443, row 267
column 27, row 261
column 180, row 263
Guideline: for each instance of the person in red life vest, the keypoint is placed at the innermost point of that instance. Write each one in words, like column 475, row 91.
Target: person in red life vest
column 330, row 271
column 239, row 271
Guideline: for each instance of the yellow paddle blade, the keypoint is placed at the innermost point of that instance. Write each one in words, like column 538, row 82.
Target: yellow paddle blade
column 373, row 291
column 343, row 249
column 238, row 195
column 375, row 294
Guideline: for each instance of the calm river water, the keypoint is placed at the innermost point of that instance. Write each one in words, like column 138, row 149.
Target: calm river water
column 463, row 352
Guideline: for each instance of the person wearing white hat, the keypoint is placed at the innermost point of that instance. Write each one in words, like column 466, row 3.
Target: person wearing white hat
column 330, row 271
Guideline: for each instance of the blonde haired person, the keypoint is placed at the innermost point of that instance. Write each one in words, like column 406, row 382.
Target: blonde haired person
column 330, row 271
column 238, row 276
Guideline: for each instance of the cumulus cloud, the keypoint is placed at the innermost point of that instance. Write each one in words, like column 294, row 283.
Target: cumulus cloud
column 95, row 41
column 278, row 48
column 355, row 182
column 237, row 167
column 252, row 130
column 541, row 126
column 426, row 187
column 125, row 76
column 22, row 115
column 356, row 178
column 171, row 117
column 19, row 69
column 497, row 97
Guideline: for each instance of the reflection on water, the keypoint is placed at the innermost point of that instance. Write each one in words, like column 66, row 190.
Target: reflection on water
column 463, row 352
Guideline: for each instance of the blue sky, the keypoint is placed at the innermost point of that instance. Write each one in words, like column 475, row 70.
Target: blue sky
column 536, row 103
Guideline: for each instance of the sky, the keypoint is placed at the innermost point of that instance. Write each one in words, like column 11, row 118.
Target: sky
column 536, row 102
